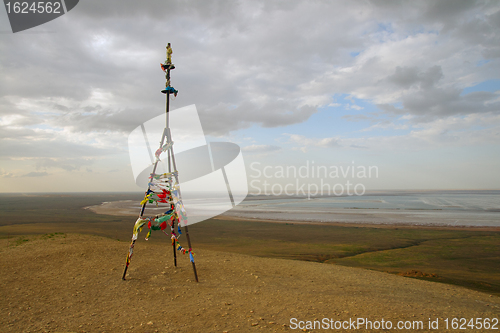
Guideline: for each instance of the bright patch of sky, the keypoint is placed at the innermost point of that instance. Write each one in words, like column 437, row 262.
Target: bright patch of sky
column 489, row 85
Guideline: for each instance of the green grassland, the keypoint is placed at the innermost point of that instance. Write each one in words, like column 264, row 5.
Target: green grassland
column 465, row 257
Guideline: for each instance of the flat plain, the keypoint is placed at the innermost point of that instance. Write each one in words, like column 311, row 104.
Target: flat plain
column 62, row 265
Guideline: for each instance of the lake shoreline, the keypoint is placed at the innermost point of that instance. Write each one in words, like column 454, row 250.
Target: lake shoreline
column 131, row 208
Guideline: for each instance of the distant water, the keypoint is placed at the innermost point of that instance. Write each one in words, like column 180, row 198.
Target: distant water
column 447, row 208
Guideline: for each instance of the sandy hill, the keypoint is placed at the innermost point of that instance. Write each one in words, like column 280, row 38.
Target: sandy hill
column 72, row 283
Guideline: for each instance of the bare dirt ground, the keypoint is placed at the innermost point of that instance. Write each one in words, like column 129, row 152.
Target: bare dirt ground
column 72, row 283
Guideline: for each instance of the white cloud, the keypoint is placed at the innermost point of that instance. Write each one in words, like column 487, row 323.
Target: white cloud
column 260, row 148
column 77, row 92
column 385, row 125
column 454, row 131
column 36, row 174
column 5, row 174
column 304, row 142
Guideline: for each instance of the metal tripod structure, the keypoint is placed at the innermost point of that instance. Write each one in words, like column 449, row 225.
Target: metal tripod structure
column 169, row 183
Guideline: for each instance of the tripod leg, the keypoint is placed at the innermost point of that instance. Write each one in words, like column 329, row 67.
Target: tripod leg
column 175, row 252
column 129, row 257
column 137, row 229
column 190, row 255
column 171, row 151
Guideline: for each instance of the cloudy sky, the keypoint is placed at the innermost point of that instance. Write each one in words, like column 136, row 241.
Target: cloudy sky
column 410, row 87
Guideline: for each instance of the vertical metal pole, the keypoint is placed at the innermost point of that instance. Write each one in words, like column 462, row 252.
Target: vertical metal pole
column 168, row 96
column 167, row 110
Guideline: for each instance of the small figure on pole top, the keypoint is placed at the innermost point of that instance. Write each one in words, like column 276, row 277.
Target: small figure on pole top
column 166, row 67
column 169, row 54
column 168, row 63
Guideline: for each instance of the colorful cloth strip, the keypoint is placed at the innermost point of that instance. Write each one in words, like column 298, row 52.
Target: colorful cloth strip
column 163, row 149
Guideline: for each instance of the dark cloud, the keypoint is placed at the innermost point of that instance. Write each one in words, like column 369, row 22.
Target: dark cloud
column 99, row 119
column 223, row 118
column 437, row 103
column 445, row 102
column 449, row 11
column 446, row 15
column 429, row 101
column 405, row 77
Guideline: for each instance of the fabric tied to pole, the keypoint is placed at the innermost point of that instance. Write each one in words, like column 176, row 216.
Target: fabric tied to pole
column 163, row 149
column 191, row 256
column 163, row 218
column 179, row 206
column 138, row 227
